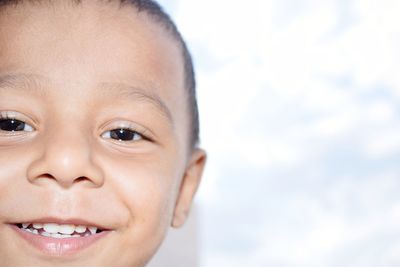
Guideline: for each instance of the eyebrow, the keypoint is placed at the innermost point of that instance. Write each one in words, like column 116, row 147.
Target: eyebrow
column 22, row 81
column 34, row 82
column 137, row 93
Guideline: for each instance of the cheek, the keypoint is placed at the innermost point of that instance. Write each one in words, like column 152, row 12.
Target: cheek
column 147, row 192
column 12, row 175
column 147, row 189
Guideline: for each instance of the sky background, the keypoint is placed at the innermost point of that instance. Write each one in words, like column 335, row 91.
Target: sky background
column 300, row 115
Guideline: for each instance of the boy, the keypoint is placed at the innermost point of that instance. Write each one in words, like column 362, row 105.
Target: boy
column 98, row 132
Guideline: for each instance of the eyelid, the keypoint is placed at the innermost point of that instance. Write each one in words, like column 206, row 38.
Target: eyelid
column 5, row 115
column 123, row 124
column 107, row 135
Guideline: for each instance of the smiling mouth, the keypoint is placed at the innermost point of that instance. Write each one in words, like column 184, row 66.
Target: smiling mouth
column 60, row 239
column 55, row 230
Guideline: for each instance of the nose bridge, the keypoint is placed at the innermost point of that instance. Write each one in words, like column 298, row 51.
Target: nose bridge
column 67, row 148
column 67, row 156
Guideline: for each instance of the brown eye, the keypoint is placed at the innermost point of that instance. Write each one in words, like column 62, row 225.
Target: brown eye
column 122, row 135
column 13, row 125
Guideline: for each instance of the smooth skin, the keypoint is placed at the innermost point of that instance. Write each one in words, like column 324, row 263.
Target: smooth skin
column 75, row 74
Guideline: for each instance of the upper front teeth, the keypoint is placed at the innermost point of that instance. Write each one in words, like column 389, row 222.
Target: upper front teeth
column 54, row 230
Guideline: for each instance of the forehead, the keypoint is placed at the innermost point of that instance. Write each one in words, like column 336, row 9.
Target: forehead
column 91, row 34
column 94, row 42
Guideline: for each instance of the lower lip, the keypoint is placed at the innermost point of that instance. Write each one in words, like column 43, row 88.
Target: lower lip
column 59, row 246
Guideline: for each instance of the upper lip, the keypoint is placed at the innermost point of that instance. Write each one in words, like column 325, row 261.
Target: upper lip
column 74, row 221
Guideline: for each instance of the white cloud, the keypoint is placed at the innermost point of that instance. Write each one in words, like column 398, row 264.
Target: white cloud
column 383, row 143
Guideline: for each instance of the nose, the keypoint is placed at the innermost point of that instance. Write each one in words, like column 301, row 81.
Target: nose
column 66, row 158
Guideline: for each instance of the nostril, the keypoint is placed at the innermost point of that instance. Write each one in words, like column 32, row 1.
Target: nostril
column 47, row 175
column 48, row 170
column 81, row 179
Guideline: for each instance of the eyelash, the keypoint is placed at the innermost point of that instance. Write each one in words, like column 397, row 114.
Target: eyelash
column 131, row 132
column 7, row 117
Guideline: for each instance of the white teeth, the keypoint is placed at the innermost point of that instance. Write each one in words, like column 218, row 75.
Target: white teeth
column 62, row 236
column 56, row 235
column 80, row 229
column 37, row 225
column 93, row 230
column 51, row 228
column 46, row 234
column 66, row 229
column 59, row 231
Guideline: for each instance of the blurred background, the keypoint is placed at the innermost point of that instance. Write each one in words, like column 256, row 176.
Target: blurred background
column 300, row 115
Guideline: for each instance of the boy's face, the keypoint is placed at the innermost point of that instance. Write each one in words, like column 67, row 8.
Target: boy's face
column 76, row 84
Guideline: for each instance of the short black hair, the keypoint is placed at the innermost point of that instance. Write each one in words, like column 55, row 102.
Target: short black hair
column 158, row 15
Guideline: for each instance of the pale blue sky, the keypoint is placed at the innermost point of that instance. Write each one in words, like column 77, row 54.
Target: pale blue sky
column 300, row 113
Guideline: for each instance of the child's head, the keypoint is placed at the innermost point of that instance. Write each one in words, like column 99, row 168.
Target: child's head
column 98, row 128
